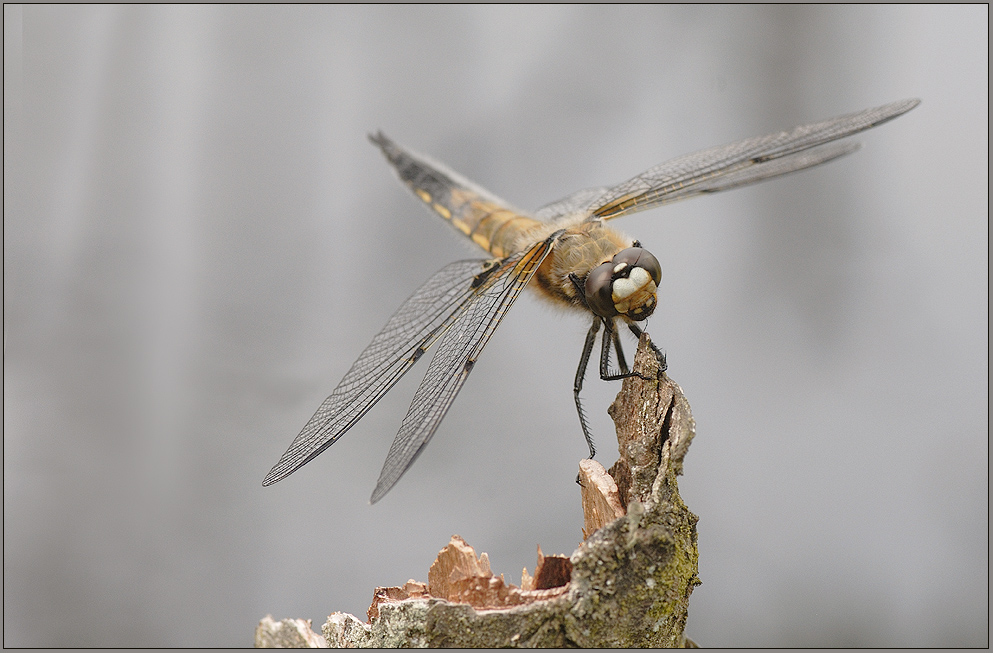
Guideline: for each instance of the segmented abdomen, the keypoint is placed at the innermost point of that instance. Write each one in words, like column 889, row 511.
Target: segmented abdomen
column 487, row 220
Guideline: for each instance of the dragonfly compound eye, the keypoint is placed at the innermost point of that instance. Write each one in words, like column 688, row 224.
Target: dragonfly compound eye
column 599, row 283
column 638, row 257
column 625, row 285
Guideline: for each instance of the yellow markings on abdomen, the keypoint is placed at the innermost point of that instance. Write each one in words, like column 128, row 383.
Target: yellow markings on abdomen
column 444, row 211
column 489, row 225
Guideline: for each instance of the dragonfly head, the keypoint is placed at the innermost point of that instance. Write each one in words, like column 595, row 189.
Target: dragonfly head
column 625, row 285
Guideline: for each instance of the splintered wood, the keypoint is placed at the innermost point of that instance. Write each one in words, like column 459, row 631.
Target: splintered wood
column 410, row 590
column 601, row 499
column 455, row 564
column 551, row 572
column 458, row 576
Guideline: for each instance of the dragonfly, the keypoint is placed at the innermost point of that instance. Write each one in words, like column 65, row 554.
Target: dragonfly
column 565, row 252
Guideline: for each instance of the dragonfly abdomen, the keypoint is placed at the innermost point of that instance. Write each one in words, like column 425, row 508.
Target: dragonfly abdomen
column 474, row 212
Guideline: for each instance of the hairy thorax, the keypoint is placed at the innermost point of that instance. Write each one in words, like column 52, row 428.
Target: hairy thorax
column 581, row 248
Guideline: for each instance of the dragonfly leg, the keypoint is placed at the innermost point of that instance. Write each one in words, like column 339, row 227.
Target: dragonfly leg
column 637, row 331
column 621, row 361
column 610, row 338
column 577, row 385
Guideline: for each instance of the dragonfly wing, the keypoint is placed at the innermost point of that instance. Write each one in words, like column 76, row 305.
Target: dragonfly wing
column 420, row 321
column 673, row 179
column 581, row 200
column 457, row 353
column 769, row 169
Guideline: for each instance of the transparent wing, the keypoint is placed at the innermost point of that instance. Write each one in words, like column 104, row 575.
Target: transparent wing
column 744, row 162
column 581, row 200
column 457, row 353
column 407, row 335
column 769, row 169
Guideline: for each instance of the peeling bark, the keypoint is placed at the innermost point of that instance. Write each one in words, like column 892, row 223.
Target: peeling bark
column 628, row 584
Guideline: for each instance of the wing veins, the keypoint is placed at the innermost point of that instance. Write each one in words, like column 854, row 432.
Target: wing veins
column 383, row 362
column 676, row 178
column 453, row 361
column 758, row 172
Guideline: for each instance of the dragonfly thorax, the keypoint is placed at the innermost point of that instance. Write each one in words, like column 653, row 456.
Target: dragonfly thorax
column 625, row 285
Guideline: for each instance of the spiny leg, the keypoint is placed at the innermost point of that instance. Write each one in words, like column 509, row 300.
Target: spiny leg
column 610, row 337
column 621, row 361
column 577, row 385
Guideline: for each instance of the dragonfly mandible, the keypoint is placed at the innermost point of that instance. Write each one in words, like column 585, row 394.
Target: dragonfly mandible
column 564, row 251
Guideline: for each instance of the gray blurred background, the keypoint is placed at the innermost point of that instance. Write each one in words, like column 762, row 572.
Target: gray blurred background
column 199, row 240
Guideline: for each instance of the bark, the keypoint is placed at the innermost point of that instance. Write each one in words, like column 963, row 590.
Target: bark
column 628, row 584
column 288, row 633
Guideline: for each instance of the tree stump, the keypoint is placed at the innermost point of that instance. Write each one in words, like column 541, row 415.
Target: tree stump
column 627, row 585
